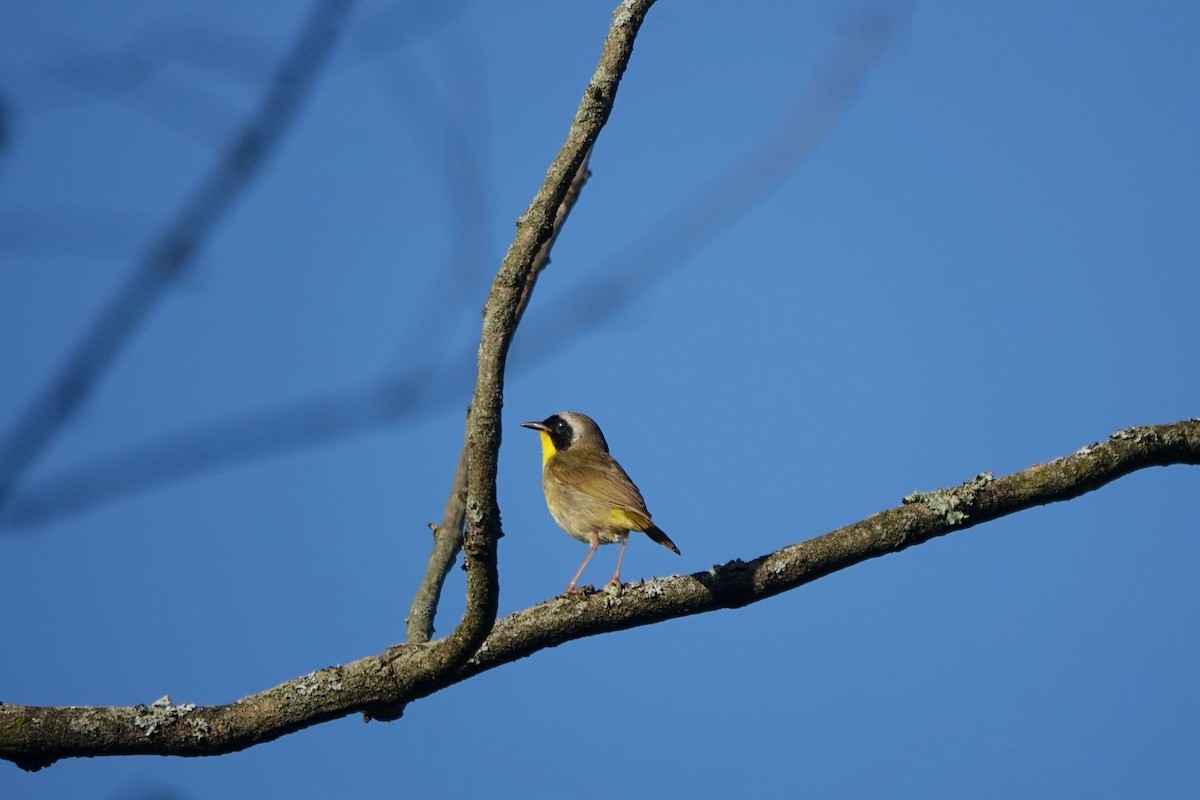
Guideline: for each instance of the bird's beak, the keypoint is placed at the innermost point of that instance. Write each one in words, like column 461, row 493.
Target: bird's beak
column 537, row 426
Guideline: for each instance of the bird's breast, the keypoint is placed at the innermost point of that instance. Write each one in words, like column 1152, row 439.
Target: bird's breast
column 580, row 514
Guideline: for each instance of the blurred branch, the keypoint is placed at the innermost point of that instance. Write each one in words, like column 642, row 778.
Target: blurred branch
column 453, row 137
column 231, row 55
column 138, row 75
column 448, row 537
column 746, row 181
column 4, row 135
column 158, row 46
column 173, row 252
column 205, row 448
column 34, row 737
column 380, row 30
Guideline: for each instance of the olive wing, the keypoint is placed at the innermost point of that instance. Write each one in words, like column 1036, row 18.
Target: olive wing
column 598, row 475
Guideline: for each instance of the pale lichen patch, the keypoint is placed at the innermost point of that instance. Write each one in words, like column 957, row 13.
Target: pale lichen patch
column 949, row 503
column 161, row 712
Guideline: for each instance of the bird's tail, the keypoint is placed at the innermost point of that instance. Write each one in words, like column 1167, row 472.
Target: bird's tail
column 656, row 534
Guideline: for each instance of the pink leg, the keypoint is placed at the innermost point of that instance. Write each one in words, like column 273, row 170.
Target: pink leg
column 616, row 578
column 595, row 542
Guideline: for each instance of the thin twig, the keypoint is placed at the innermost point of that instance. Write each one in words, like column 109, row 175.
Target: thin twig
column 560, row 218
column 447, row 543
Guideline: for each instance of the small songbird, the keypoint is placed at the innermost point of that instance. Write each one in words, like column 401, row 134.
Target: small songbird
column 587, row 492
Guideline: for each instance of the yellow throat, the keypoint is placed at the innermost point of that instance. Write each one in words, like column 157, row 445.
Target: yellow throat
column 548, row 448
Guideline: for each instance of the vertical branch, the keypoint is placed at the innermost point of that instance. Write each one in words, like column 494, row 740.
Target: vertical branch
column 448, row 537
column 176, row 247
column 501, row 314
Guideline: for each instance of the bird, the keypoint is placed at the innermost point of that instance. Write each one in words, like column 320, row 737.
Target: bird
column 588, row 493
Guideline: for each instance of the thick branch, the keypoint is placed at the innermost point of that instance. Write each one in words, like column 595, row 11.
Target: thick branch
column 33, row 737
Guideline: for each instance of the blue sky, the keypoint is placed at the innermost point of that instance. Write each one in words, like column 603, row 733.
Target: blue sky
column 988, row 261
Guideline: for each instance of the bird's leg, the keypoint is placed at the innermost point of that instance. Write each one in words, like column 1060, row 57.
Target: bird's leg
column 594, row 539
column 616, row 578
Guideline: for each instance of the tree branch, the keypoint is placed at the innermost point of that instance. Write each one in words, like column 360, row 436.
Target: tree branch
column 34, row 737
column 447, row 543
column 448, row 537
column 501, row 314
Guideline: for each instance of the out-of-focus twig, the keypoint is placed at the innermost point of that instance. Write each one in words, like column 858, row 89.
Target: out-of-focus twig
column 193, row 41
column 168, row 257
column 448, row 537
column 453, row 137
column 3, row 124
column 205, row 448
column 70, row 232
